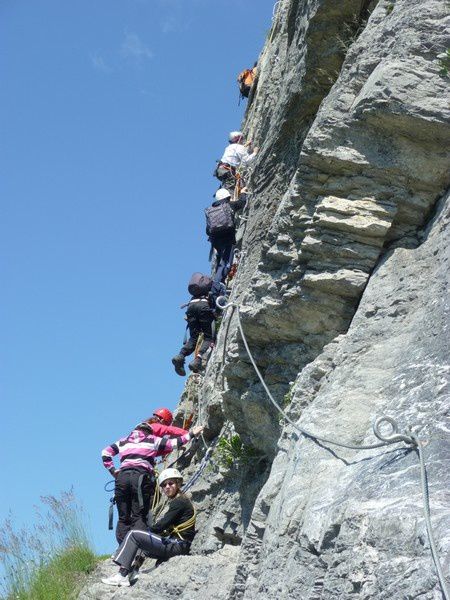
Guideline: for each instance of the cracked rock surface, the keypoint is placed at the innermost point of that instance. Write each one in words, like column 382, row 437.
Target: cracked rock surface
column 343, row 293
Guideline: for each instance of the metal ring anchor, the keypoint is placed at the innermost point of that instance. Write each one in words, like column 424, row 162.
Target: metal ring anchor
column 221, row 302
column 392, row 436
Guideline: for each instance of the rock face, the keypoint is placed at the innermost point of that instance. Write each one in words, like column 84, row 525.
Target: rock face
column 184, row 578
column 343, row 293
column 333, row 523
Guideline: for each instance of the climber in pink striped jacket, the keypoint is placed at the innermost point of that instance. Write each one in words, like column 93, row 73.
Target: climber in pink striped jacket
column 135, row 481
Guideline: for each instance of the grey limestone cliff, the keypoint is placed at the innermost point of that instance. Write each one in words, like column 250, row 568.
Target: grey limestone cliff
column 343, row 292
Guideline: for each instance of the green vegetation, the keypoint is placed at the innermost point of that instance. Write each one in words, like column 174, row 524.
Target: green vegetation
column 60, row 579
column 49, row 560
column 444, row 63
column 218, row 324
column 231, row 452
column 288, row 397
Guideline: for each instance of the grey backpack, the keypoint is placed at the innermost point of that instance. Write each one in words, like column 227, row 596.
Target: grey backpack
column 219, row 219
column 199, row 285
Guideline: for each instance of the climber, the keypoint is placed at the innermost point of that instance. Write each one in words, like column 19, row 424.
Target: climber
column 161, row 423
column 135, row 479
column 170, row 536
column 200, row 316
column 246, row 81
column 221, row 229
column 235, row 155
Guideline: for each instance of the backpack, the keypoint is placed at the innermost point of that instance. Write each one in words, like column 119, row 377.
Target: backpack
column 199, row 285
column 245, row 81
column 219, row 219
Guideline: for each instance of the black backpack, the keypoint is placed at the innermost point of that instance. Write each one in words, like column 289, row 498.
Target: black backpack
column 219, row 219
column 199, row 285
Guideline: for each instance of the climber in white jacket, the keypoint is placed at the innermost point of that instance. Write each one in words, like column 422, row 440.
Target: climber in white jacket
column 235, row 155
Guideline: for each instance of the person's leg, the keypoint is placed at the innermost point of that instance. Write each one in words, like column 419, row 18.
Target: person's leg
column 224, row 250
column 122, row 495
column 205, row 320
column 142, row 486
column 194, row 329
column 218, row 273
column 153, row 546
column 189, row 347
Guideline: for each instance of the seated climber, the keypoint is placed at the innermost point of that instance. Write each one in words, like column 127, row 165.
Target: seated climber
column 171, row 535
column 235, row 155
column 200, row 316
column 221, row 229
column 135, row 480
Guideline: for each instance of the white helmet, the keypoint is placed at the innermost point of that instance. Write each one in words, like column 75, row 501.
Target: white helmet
column 221, row 194
column 234, row 136
column 170, row 474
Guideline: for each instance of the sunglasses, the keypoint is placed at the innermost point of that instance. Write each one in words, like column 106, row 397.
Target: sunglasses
column 166, row 483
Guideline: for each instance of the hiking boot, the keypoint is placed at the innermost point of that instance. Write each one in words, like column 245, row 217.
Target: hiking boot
column 117, row 580
column 196, row 365
column 178, row 363
column 160, row 561
column 133, row 576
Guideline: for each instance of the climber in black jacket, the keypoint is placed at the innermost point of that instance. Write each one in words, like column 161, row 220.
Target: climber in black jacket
column 170, row 536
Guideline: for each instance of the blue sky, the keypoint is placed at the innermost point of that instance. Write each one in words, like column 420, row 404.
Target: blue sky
column 112, row 114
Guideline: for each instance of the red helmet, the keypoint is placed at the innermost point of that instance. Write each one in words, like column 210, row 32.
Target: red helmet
column 165, row 415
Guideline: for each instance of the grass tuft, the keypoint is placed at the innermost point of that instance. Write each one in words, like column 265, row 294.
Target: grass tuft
column 50, row 560
column 62, row 578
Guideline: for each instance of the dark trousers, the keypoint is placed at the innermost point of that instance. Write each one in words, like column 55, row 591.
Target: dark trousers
column 200, row 318
column 224, row 248
column 153, row 546
column 133, row 493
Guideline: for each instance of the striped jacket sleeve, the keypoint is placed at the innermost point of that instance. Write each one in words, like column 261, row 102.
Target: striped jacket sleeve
column 165, row 445
column 107, row 456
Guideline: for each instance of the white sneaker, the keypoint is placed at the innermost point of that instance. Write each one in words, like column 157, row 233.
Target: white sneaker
column 117, row 579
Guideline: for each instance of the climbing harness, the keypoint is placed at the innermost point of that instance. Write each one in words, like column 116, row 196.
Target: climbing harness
column 139, row 488
column 223, row 170
column 112, row 501
column 179, row 529
column 234, row 267
column 386, row 439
